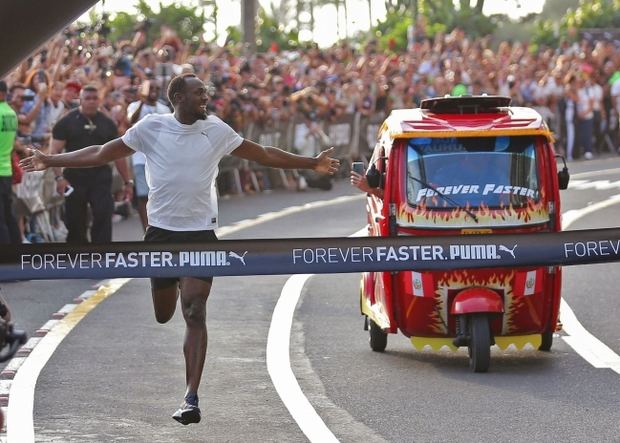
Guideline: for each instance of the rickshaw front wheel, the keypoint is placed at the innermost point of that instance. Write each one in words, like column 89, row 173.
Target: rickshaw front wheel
column 479, row 343
column 378, row 338
column 546, row 342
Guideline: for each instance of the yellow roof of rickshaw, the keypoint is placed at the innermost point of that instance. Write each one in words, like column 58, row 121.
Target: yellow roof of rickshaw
column 480, row 116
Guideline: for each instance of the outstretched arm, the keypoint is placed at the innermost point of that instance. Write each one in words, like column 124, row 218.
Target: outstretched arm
column 277, row 158
column 90, row 156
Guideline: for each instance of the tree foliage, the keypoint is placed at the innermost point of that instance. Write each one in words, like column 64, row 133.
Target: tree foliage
column 186, row 21
column 441, row 16
column 270, row 31
column 585, row 14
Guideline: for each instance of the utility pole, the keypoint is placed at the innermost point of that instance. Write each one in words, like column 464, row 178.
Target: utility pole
column 248, row 24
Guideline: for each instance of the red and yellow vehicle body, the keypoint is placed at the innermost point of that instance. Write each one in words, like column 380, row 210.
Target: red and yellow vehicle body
column 464, row 166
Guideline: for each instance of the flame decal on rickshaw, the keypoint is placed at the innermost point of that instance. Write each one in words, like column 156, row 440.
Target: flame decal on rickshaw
column 515, row 306
column 421, row 216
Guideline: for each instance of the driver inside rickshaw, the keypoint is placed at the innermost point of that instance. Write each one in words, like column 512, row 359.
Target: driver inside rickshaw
column 471, row 172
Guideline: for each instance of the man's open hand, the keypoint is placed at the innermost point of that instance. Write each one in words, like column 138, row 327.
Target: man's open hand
column 37, row 161
column 327, row 164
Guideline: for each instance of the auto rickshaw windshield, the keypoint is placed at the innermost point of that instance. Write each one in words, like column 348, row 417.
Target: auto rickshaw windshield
column 462, row 172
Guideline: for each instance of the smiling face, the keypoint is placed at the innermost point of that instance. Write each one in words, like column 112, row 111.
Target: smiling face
column 192, row 101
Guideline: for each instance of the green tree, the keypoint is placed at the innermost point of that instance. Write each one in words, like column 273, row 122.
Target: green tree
column 565, row 22
column 186, row 21
column 271, row 30
column 122, row 26
column 441, row 16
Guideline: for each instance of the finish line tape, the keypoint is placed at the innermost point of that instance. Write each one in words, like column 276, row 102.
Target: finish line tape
column 308, row 255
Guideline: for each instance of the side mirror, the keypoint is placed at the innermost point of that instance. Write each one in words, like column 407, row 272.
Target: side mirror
column 373, row 177
column 563, row 175
column 563, row 178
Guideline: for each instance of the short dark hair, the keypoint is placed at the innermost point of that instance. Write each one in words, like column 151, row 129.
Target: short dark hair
column 3, row 86
column 90, row 88
column 177, row 85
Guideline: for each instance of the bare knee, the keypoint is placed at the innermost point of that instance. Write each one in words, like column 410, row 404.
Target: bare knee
column 163, row 317
column 194, row 294
column 195, row 311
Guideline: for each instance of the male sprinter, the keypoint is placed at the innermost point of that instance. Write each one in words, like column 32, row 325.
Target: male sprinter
column 182, row 152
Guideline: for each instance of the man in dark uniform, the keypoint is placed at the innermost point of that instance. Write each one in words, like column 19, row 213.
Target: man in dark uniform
column 86, row 126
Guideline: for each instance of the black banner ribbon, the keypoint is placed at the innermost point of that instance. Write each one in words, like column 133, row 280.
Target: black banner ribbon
column 308, row 255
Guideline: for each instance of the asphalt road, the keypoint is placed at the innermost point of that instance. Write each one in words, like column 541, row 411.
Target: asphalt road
column 119, row 375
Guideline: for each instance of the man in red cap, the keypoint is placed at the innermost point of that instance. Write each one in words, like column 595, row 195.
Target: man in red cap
column 71, row 95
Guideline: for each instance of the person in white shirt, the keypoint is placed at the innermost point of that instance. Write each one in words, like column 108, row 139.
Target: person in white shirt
column 595, row 91
column 148, row 104
column 182, row 154
column 585, row 118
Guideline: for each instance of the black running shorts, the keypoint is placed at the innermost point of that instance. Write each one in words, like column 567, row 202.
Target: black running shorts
column 155, row 235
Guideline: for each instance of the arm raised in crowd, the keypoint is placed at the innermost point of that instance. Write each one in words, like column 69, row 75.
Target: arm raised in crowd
column 90, row 156
column 277, row 158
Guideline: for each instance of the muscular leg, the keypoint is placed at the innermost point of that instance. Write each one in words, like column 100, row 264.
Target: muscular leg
column 194, row 294
column 164, row 301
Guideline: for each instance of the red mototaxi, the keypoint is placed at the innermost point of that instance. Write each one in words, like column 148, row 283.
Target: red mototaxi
column 464, row 166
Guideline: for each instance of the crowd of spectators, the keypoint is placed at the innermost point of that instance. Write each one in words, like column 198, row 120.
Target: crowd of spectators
column 320, row 84
column 576, row 87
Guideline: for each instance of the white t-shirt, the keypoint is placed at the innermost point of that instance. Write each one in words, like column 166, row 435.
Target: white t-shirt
column 584, row 104
column 596, row 93
column 615, row 93
column 181, row 167
column 159, row 108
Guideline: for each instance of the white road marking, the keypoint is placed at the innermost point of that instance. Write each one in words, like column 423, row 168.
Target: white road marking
column 268, row 216
column 570, row 217
column 590, row 348
column 585, row 344
column 279, row 362
column 20, row 426
column 580, row 175
column 599, row 185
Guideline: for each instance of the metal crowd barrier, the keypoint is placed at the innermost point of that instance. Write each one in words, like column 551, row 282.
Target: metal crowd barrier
column 352, row 135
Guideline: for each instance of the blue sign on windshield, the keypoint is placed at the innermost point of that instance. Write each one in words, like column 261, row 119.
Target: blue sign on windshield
column 494, row 172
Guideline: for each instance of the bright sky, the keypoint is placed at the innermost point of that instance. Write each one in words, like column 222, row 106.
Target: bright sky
column 230, row 13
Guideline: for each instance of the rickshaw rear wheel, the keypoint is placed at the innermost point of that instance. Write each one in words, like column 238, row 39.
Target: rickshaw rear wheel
column 546, row 342
column 479, row 343
column 378, row 338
